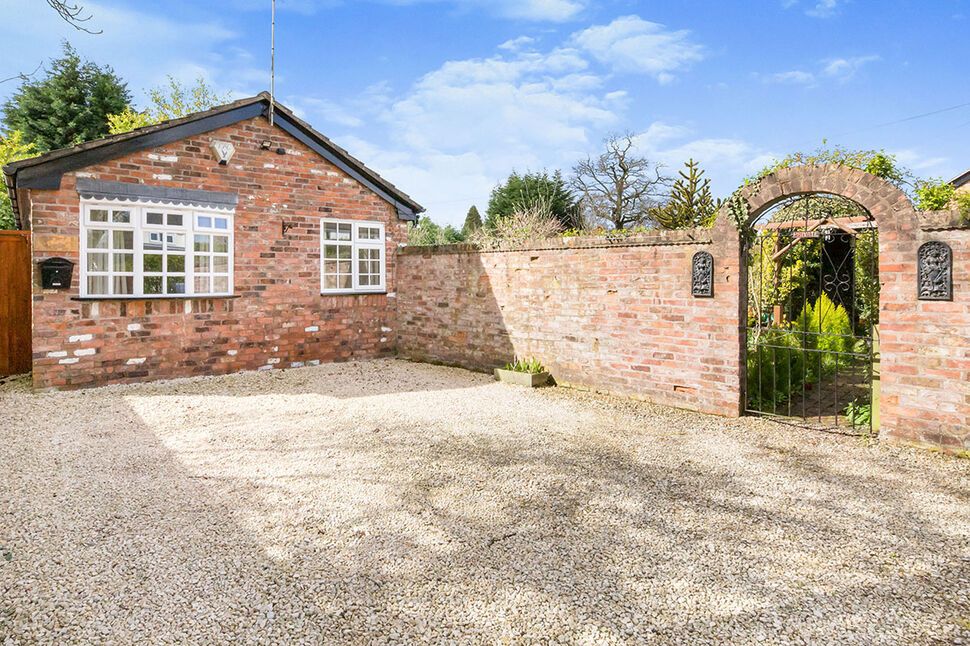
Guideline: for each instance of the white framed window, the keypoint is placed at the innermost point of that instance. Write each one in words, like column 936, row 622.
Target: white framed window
column 154, row 251
column 351, row 256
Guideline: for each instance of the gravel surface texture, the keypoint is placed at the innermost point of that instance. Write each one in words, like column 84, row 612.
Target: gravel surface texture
column 390, row 502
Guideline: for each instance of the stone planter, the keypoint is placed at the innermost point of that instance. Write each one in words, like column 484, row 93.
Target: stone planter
column 522, row 378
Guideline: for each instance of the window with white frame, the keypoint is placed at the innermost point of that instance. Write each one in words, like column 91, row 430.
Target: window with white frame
column 351, row 256
column 154, row 251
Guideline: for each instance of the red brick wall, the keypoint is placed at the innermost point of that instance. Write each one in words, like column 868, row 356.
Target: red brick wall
column 279, row 318
column 611, row 316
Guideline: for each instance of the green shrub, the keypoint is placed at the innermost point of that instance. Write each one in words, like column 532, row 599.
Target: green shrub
column 826, row 328
column 858, row 414
column 775, row 371
column 963, row 205
column 934, row 194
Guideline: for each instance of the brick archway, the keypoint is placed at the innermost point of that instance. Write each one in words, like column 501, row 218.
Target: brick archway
column 898, row 228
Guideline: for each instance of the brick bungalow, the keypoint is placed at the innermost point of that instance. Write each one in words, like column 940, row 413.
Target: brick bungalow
column 209, row 244
column 962, row 182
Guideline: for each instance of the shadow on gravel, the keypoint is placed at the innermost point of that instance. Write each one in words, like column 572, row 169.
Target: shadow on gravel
column 136, row 515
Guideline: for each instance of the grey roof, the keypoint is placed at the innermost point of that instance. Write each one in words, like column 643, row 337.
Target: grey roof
column 961, row 179
column 100, row 189
column 45, row 171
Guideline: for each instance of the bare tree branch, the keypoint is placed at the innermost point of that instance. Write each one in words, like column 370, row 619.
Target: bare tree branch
column 23, row 77
column 617, row 186
column 73, row 14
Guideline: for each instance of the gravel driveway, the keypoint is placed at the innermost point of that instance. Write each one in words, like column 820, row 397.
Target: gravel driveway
column 391, row 502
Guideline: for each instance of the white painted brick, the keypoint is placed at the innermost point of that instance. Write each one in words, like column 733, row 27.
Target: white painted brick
column 57, row 353
column 312, row 328
column 273, row 361
column 136, row 361
column 161, row 176
column 385, row 329
column 383, row 339
column 265, row 368
column 153, row 156
column 269, row 165
column 169, row 158
column 80, row 338
column 134, row 327
column 66, row 361
column 297, row 364
column 84, row 352
column 232, row 353
column 83, row 174
column 313, row 362
column 317, row 171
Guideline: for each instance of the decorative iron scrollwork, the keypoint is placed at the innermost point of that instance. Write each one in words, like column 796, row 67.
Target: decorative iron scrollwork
column 935, row 271
column 702, row 275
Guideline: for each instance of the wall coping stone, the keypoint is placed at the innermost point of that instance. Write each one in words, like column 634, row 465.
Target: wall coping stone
column 648, row 239
column 940, row 220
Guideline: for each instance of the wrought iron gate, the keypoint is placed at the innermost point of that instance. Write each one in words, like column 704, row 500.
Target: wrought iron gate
column 813, row 302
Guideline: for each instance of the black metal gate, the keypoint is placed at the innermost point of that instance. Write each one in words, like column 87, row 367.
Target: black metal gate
column 813, row 303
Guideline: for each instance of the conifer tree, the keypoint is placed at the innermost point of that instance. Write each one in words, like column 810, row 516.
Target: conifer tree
column 473, row 222
column 690, row 203
column 70, row 105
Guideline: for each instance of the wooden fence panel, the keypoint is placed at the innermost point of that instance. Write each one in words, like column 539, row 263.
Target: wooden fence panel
column 15, row 339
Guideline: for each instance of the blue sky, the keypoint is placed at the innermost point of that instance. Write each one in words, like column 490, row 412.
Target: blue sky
column 446, row 97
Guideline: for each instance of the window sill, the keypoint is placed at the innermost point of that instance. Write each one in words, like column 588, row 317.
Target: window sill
column 380, row 293
column 155, row 298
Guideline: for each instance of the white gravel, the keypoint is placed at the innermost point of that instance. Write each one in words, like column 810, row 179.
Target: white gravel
column 390, row 502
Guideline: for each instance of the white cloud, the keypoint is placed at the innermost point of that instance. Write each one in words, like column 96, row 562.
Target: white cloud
column 837, row 69
column 823, row 9
column 516, row 44
column 631, row 44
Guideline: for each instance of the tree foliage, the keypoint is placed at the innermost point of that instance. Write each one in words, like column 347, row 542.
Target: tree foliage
column 12, row 148
column 473, row 222
column 690, row 203
column 523, row 192
column 934, row 194
column 171, row 102
column 68, row 106
column 617, row 186
column 426, row 232
column 521, row 228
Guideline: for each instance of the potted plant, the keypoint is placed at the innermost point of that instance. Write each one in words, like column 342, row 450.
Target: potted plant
column 523, row 372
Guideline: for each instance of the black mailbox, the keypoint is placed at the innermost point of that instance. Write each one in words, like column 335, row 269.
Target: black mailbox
column 55, row 273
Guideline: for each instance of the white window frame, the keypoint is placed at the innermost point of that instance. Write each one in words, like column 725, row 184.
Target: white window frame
column 355, row 243
column 139, row 226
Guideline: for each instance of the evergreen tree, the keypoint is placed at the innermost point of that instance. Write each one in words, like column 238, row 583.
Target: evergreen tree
column 426, row 232
column 524, row 192
column 473, row 222
column 69, row 105
column 690, row 204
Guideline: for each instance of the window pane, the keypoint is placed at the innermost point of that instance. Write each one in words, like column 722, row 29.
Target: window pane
column 220, row 264
column 175, row 219
column 98, row 284
column 202, row 264
column 175, row 241
column 205, row 221
column 365, row 281
column 330, row 251
column 330, row 266
column 202, row 243
column 153, row 218
column 124, row 284
column 124, row 262
column 344, row 267
column 221, row 223
column 153, row 284
column 123, row 240
column 201, row 284
column 152, row 262
column 345, row 282
column 330, row 281
column 220, row 284
column 362, row 266
column 220, row 244
column 175, row 285
column 344, row 252
column 97, row 262
column 344, row 231
column 153, row 240
column 98, row 215
column 369, row 233
column 175, row 264
column 121, row 217
column 97, row 239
